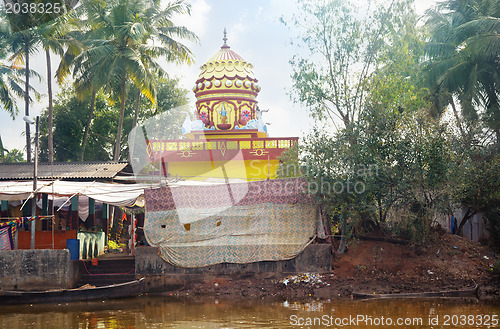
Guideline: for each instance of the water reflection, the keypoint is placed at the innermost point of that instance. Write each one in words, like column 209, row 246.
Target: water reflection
column 163, row 312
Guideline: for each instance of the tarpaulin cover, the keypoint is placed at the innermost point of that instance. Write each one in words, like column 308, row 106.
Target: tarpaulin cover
column 197, row 226
column 114, row 194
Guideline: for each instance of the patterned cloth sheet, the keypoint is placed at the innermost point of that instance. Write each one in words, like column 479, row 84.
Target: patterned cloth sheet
column 197, row 226
column 6, row 238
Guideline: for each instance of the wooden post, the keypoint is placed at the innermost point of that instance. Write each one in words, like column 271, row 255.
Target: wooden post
column 5, row 209
column 105, row 216
column 91, row 218
column 45, row 211
column 75, row 221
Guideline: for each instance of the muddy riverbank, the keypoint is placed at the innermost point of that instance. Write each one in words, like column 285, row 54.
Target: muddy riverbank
column 374, row 267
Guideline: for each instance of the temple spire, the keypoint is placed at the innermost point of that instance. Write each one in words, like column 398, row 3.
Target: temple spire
column 224, row 46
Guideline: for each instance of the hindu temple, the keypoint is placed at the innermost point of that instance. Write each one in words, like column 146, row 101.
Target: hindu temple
column 228, row 138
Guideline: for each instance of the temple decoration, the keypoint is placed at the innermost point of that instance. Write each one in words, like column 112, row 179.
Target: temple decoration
column 226, row 91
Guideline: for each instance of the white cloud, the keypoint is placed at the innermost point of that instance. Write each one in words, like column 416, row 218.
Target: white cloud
column 259, row 12
column 198, row 19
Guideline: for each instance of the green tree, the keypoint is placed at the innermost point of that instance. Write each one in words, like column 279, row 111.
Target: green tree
column 20, row 35
column 21, row 45
column 71, row 114
column 121, row 49
column 68, row 115
column 289, row 163
column 10, row 88
column 9, row 157
column 463, row 59
column 394, row 179
column 399, row 134
column 11, row 81
column 53, row 39
column 463, row 65
column 13, row 156
column 390, row 152
column 342, row 48
column 478, row 185
column 2, row 150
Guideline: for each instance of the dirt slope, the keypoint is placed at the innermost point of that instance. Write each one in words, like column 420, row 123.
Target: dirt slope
column 450, row 263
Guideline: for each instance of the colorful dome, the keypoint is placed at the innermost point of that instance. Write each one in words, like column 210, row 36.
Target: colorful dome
column 226, row 91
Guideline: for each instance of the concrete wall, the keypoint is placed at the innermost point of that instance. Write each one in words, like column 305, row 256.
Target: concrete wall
column 38, row 269
column 162, row 276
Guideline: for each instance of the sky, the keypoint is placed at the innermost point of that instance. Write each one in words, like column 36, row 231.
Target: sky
column 253, row 31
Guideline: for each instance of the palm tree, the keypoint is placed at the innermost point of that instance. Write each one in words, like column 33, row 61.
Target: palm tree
column 11, row 82
column 121, row 47
column 53, row 38
column 10, row 87
column 464, row 61
column 21, row 36
column 20, row 44
column 23, row 44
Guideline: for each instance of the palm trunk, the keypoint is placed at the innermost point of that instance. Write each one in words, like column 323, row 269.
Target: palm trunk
column 459, row 122
column 27, row 98
column 137, row 105
column 49, row 91
column 116, row 156
column 87, row 127
column 134, row 124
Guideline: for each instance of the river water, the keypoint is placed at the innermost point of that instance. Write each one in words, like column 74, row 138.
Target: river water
column 166, row 312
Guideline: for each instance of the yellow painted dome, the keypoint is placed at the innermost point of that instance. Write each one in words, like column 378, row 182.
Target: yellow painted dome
column 226, row 91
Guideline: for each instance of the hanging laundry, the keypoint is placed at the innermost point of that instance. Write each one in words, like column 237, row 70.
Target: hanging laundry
column 6, row 239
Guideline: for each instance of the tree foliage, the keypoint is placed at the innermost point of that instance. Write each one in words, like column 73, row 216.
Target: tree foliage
column 13, row 156
column 395, row 163
column 112, row 46
column 387, row 166
column 463, row 67
column 70, row 117
column 342, row 45
column 118, row 48
column 7, row 156
column 463, row 59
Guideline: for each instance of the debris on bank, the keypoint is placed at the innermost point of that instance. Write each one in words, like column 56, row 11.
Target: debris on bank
column 312, row 279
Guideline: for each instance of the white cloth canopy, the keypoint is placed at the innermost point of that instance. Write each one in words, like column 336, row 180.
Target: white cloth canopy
column 63, row 202
column 114, row 194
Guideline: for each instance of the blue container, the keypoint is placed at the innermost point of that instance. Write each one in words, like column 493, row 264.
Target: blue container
column 73, row 245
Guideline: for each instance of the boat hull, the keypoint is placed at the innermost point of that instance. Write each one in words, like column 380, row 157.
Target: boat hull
column 120, row 290
column 471, row 292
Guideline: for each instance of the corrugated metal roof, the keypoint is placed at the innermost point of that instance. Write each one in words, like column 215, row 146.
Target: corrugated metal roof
column 61, row 170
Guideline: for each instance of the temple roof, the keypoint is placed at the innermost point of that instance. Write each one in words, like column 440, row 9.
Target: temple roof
column 226, row 92
column 225, row 54
column 226, row 63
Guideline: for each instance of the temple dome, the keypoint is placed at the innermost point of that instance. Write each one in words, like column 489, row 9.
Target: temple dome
column 225, row 54
column 226, row 85
column 226, row 63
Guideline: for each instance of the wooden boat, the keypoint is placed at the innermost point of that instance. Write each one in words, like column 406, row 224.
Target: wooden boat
column 469, row 292
column 119, row 290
